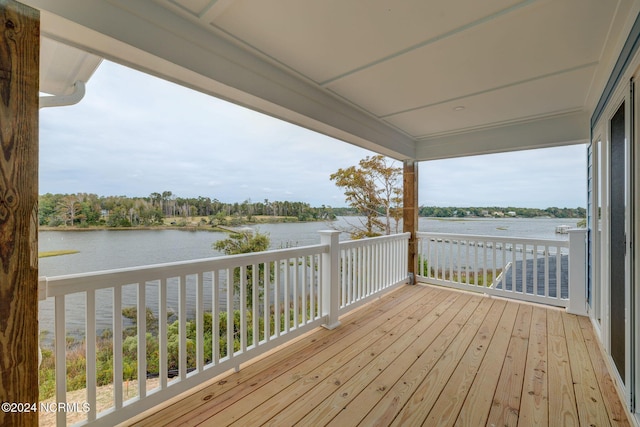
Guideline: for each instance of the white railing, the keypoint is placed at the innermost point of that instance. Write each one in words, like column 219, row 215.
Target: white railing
column 221, row 311
column 370, row 266
column 535, row 270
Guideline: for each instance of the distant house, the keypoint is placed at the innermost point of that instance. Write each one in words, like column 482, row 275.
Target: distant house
column 511, row 213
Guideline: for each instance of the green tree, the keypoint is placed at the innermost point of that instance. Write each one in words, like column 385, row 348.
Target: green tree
column 374, row 189
column 243, row 243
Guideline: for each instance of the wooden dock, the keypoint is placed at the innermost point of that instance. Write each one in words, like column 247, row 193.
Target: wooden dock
column 421, row 355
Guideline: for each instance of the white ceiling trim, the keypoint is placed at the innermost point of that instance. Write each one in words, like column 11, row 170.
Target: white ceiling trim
column 548, row 132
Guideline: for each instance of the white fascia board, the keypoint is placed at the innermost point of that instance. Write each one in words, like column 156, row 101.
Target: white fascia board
column 566, row 129
column 180, row 51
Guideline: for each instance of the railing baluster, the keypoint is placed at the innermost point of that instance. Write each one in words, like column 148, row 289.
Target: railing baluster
column 351, row 277
column 61, row 356
column 559, row 272
column 293, row 266
column 524, row 268
column 305, row 272
column 450, row 260
column 344, row 267
column 485, row 263
column 276, row 298
column 267, row 304
column 476, row 266
column 230, row 313
column 546, row 271
column 535, row 270
column 362, row 288
column 514, row 251
column 182, row 322
column 215, row 316
column 255, row 316
column 503, row 277
column 117, row 346
column 90, row 333
column 142, row 339
column 287, row 293
column 200, row 322
column 243, row 308
column 494, row 257
column 466, row 261
column 162, row 333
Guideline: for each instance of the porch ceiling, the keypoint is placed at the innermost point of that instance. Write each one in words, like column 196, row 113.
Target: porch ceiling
column 410, row 79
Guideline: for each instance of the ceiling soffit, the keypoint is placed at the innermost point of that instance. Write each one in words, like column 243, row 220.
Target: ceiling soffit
column 415, row 64
column 385, row 75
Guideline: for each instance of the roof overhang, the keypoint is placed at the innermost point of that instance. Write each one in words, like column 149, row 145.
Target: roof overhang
column 61, row 66
column 411, row 79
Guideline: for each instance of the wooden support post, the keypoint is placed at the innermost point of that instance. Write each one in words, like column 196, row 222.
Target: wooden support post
column 410, row 211
column 19, row 81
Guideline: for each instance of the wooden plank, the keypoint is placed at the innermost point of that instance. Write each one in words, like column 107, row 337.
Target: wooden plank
column 261, row 389
column 534, row 405
column 424, row 362
column 217, row 395
column 431, row 386
column 506, row 402
column 617, row 413
column 350, row 404
column 477, row 405
column 447, row 408
column 19, row 81
column 591, row 409
column 562, row 398
column 337, row 377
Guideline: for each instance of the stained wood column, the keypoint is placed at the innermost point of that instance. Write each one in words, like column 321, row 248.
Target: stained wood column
column 410, row 211
column 19, row 80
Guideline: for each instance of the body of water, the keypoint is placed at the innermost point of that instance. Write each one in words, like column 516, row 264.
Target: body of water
column 111, row 249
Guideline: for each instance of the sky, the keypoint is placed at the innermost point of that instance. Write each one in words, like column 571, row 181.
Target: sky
column 134, row 134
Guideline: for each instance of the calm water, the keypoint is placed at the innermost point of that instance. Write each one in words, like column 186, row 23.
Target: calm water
column 110, row 249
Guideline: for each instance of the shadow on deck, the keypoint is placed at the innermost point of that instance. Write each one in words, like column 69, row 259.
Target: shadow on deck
column 534, row 276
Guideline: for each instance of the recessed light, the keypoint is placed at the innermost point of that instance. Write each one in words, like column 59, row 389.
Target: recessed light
column 458, row 108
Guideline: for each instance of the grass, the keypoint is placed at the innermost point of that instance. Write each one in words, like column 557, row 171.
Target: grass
column 56, row 253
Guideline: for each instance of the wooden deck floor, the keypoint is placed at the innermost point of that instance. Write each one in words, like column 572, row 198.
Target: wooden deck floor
column 420, row 356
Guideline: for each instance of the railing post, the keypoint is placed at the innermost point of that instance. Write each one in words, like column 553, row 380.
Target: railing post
column 577, row 272
column 330, row 278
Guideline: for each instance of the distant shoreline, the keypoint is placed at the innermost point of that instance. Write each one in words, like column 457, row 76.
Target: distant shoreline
column 192, row 224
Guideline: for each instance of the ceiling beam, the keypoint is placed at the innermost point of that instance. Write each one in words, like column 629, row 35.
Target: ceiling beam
column 553, row 131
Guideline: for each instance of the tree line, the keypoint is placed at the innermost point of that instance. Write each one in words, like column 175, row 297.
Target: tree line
column 83, row 209
column 461, row 212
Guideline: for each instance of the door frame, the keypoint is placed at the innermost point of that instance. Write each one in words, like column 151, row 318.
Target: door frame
column 601, row 242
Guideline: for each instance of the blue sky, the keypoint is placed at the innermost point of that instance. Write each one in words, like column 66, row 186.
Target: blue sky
column 133, row 134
